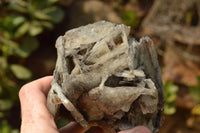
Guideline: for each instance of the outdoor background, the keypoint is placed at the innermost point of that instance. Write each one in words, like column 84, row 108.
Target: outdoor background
column 29, row 29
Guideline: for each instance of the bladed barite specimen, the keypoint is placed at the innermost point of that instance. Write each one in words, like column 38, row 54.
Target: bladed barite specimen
column 103, row 78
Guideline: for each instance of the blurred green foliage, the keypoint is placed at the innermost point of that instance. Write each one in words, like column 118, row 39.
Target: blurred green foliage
column 20, row 22
column 195, row 94
column 196, row 110
column 130, row 18
column 170, row 96
column 62, row 122
column 188, row 17
column 195, row 91
column 6, row 128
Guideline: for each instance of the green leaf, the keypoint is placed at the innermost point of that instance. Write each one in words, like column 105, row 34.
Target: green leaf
column 29, row 45
column 18, row 21
column 170, row 89
column 35, row 28
column 195, row 93
column 170, row 98
column 195, row 90
column 196, row 110
column 169, row 109
column 188, row 17
column 8, row 83
column 19, row 8
column 62, row 122
column 55, row 13
column 6, row 23
column 47, row 24
column 7, row 35
column 9, row 47
column 3, row 62
column 5, row 127
column 22, row 30
column 130, row 18
column 41, row 15
column 15, row 131
column 173, row 89
column 5, row 104
column 12, row 48
column 10, row 89
column 1, row 115
column 21, row 53
column 20, row 72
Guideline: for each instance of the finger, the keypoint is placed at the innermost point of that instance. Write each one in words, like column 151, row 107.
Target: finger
column 138, row 129
column 73, row 127
column 35, row 115
column 44, row 84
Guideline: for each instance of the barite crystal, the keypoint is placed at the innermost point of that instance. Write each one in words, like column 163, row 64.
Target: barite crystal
column 104, row 78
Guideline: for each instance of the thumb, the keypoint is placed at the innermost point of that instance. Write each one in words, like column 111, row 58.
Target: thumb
column 138, row 129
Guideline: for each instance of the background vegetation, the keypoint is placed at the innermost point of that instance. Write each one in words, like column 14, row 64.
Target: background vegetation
column 21, row 21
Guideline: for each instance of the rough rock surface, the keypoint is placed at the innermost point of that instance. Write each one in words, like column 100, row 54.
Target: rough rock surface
column 103, row 78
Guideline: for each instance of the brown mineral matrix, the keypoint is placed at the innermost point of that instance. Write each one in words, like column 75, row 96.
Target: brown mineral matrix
column 104, row 78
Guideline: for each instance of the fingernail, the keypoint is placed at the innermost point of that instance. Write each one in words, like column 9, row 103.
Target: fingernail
column 140, row 129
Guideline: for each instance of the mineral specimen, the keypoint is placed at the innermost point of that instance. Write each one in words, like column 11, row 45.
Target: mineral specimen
column 103, row 78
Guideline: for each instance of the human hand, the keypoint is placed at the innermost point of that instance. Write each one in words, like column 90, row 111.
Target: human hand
column 37, row 119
